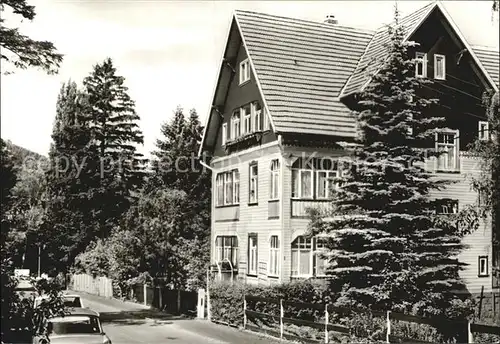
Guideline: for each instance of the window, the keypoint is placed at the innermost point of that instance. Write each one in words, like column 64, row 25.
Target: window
column 447, row 206
column 252, row 254
column 301, row 256
column 302, row 184
column 244, row 71
column 320, row 262
column 312, row 178
column 224, row 133
column 228, row 192
column 307, row 257
column 420, row 65
column 226, row 247
column 447, row 145
column 274, row 256
column 235, row 125
column 483, row 270
column 257, row 117
column 254, row 184
column 439, row 67
column 247, row 128
column 484, row 133
column 324, row 183
column 275, row 180
column 227, row 188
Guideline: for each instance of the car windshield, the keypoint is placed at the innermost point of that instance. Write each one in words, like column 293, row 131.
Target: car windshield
column 73, row 324
column 72, row 301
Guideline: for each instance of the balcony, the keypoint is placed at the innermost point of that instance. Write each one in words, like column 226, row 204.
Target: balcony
column 244, row 141
column 299, row 206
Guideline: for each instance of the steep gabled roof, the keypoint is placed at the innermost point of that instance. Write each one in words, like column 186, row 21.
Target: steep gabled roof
column 490, row 60
column 373, row 57
column 301, row 67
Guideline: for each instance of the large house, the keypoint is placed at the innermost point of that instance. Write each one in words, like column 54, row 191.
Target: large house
column 281, row 105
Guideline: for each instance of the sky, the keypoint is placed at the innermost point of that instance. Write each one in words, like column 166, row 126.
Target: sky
column 169, row 52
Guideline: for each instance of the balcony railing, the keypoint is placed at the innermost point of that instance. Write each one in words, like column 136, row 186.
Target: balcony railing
column 300, row 206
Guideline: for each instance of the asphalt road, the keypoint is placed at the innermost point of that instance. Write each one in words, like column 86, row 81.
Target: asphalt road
column 128, row 323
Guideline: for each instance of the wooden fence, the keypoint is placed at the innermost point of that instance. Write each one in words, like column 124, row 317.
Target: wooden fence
column 101, row 286
column 466, row 327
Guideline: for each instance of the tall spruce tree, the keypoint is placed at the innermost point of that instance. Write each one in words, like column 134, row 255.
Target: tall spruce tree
column 388, row 249
column 69, row 225
column 177, row 167
column 115, row 135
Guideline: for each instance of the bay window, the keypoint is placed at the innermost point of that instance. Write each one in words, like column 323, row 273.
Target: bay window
column 254, row 183
column 274, row 256
column 447, row 146
column 307, row 257
column 274, row 180
column 226, row 248
column 227, row 188
column 312, row 178
column 252, row 254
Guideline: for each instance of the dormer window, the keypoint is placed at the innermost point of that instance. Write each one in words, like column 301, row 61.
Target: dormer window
column 235, row 125
column 420, row 65
column 483, row 132
column 244, row 71
column 439, row 67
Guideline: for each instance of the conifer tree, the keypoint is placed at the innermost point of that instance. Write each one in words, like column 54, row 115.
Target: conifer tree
column 115, row 136
column 388, row 249
column 68, row 226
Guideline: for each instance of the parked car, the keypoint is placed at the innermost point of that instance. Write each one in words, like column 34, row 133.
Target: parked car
column 78, row 326
column 70, row 301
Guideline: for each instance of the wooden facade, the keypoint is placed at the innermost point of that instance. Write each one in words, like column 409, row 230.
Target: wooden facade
column 260, row 231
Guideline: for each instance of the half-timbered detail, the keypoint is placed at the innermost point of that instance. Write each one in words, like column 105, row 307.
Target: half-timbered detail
column 281, row 115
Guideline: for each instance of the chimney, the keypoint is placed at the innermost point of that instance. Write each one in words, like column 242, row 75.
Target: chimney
column 330, row 19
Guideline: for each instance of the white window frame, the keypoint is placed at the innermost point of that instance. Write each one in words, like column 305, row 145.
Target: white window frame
column 222, row 182
column 256, row 118
column 436, row 76
column 224, row 133
column 219, row 186
column 247, row 118
column 274, row 266
column 313, row 251
column 329, row 175
column 421, row 58
column 253, row 180
column 244, row 71
column 316, row 252
column 236, row 187
column 299, row 176
column 221, row 252
column 483, row 133
column 274, row 181
column 236, row 124
column 456, row 150
column 253, row 260
column 447, row 210
column 228, row 186
column 481, row 272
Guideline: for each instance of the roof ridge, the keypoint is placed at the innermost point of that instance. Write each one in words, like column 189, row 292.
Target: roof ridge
column 430, row 4
column 366, row 31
